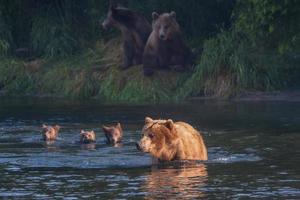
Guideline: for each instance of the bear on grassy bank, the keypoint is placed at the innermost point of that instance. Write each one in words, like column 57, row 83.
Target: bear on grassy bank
column 165, row 48
column 167, row 141
column 135, row 32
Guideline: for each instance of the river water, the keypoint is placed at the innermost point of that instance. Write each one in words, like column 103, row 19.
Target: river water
column 253, row 149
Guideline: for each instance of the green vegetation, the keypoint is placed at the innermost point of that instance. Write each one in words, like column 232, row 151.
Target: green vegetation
column 246, row 45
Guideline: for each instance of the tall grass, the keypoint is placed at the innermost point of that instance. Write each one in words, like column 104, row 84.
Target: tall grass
column 5, row 37
column 65, row 82
column 52, row 38
column 132, row 86
column 229, row 64
column 15, row 79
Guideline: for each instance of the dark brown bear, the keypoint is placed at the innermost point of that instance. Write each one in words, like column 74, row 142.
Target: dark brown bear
column 135, row 32
column 165, row 48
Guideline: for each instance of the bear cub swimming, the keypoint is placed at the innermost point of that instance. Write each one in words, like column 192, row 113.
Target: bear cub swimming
column 113, row 134
column 50, row 132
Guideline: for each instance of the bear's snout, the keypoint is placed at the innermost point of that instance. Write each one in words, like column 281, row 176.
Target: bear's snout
column 162, row 36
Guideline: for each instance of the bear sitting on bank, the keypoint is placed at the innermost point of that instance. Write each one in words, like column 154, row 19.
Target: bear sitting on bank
column 135, row 32
column 167, row 141
column 165, row 47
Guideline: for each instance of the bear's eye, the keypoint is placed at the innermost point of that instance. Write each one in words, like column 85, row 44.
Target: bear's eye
column 151, row 135
column 166, row 26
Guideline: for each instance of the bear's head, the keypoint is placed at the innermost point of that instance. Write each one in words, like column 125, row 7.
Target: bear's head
column 159, row 138
column 165, row 25
column 113, row 134
column 50, row 132
column 87, row 136
column 118, row 17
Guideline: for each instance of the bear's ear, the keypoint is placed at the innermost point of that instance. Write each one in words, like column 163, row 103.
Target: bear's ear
column 173, row 14
column 57, row 127
column 106, row 129
column 81, row 132
column 119, row 126
column 44, row 126
column 169, row 124
column 155, row 15
column 148, row 120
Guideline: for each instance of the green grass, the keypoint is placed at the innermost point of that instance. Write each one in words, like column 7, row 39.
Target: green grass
column 14, row 77
column 227, row 66
column 132, row 86
column 93, row 74
column 230, row 65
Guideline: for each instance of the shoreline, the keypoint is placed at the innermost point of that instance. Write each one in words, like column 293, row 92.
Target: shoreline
column 283, row 95
column 280, row 95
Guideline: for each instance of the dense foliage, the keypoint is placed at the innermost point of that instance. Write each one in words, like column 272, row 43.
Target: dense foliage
column 63, row 27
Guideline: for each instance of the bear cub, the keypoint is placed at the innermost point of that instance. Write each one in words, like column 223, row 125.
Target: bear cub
column 113, row 134
column 87, row 137
column 165, row 48
column 50, row 132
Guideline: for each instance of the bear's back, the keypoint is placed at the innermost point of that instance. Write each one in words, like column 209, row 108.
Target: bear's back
column 192, row 141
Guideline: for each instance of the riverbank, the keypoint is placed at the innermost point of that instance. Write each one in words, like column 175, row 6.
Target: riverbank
column 224, row 70
column 284, row 95
column 289, row 96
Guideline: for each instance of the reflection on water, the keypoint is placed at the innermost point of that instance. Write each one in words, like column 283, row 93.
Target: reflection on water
column 253, row 152
column 176, row 183
column 90, row 146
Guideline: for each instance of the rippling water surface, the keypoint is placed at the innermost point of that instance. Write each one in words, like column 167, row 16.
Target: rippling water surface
column 254, row 152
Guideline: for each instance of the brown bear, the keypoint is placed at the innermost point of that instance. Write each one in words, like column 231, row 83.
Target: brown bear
column 87, row 137
column 165, row 47
column 113, row 134
column 167, row 141
column 50, row 132
column 135, row 31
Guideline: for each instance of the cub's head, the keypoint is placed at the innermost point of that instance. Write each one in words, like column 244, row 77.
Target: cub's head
column 158, row 137
column 113, row 134
column 87, row 136
column 50, row 132
column 165, row 25
column 117, row 16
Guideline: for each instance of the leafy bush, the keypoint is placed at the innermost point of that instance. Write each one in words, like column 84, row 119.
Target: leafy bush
column 270, row 23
